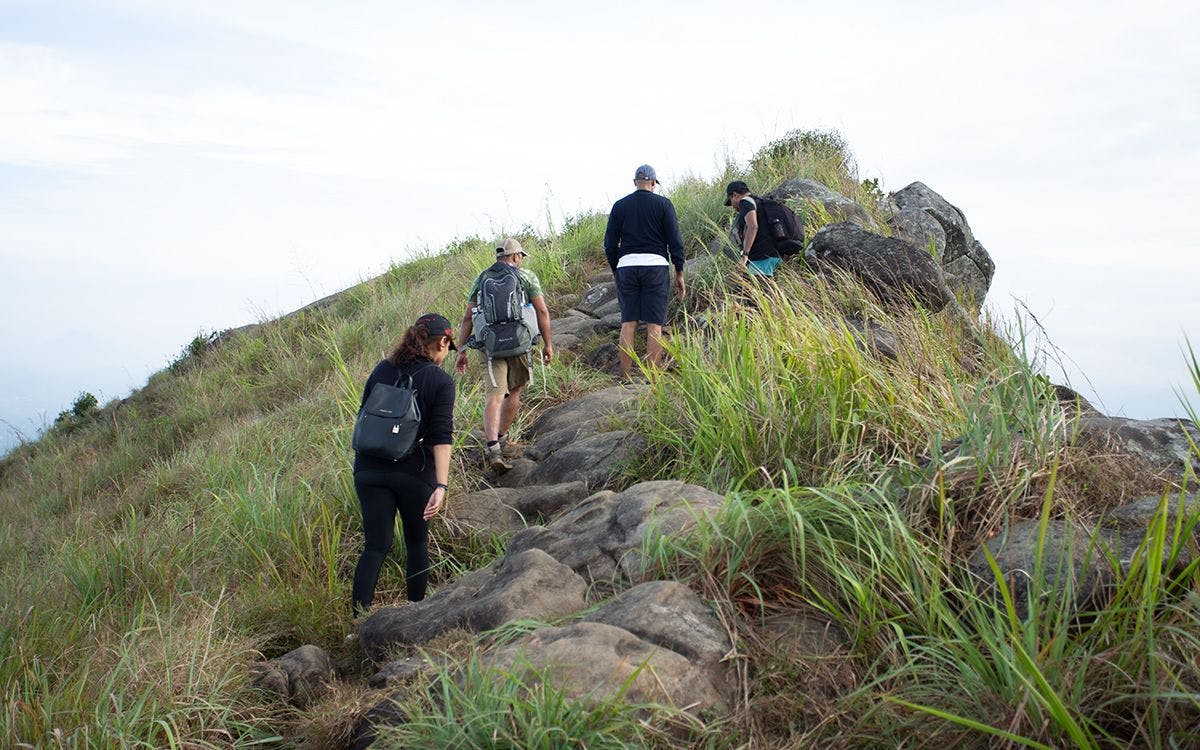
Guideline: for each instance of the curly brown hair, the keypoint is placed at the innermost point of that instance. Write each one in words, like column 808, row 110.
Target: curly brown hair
column 416, row 344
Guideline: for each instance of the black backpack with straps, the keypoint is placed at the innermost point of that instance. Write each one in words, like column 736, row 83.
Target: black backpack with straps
column 781, row 225
column 388, row 422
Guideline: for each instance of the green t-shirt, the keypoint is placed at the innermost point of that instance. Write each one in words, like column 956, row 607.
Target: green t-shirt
column 529, row 281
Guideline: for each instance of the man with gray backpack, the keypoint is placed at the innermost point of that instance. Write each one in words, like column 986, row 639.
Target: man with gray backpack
column 506, row 315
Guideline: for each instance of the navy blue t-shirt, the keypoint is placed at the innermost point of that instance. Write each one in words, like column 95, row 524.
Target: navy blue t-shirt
column 643, row 222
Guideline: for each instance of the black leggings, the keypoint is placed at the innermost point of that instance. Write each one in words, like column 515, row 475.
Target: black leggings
column 381, row 494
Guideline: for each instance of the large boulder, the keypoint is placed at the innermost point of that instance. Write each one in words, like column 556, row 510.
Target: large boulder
column 593, row 460
column 838, row 206
column 595, row 661
column 1074, row 563
column 615, row 403
column 596, row 298
column 1165, row 444
column 670, row 615
column 503, row 510
column 528, row 585
column 965, row 262
column 603, row 535
column 894, row 270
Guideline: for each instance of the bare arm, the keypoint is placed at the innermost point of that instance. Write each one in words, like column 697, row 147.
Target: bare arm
column 465, row 328
column 543, row 319
column 750, row 234
column 441, row 465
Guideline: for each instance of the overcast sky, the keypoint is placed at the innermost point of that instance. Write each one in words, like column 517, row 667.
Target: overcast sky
column 172, row 167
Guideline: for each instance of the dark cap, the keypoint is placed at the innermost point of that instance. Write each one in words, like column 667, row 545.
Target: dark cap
column 645, row 172
column 737, row 186
column 436, row 325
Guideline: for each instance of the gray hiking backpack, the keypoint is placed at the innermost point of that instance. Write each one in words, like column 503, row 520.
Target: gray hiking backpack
column 501, row 321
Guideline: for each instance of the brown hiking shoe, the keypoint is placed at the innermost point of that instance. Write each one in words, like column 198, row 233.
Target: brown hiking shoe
column 495, row 459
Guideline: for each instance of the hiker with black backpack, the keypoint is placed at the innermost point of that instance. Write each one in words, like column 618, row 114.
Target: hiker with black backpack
column 402, row 439
column 768, row 229
column 506, row 315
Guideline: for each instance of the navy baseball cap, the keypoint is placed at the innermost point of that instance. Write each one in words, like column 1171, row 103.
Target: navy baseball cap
column 645, row 172
column 437, row 326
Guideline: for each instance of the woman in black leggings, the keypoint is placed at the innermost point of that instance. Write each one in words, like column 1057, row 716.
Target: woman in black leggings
column 414, row 486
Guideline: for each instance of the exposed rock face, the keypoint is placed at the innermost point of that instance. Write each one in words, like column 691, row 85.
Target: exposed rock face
column 1074, row 563
column 596, row 297
column 873, row 338
column 965, row 262
column 592, row 660
column 892, row 269
column 1163, row 443
column 593, row 460
column 1131, row 521
column 300, row 676
column 602, row 536
column 834, row 203
column 526, row 585
column 501, row 510
column 670, row 615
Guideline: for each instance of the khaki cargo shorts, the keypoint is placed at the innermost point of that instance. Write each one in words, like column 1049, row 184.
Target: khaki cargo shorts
column 510, row 373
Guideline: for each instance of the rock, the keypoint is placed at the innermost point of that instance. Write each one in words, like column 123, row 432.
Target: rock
column 1074, row 563
column 872, row 338
column 566, row 342
column 838, row 206
column 921, row 230
column 386, row 713
column 615, row 403
column 300, row 676
column 967, row 266
column 518, row 475
column 1075, row 404
column 893, row 270
column 594, row 460
column 492, row 510
column 611, row 322
column 594, row 661
column 606, row 358
column 401, row 671
column 580, row 326
column 1162, row 443
column 543, row 502
column 608, row 308
column 670, row 615
column 804, row 632
column 548, row 442
column 603, row 535
column 528, row 584
column 596, row 297
column 566, row 301
column 1132, row 520
column 600, row 277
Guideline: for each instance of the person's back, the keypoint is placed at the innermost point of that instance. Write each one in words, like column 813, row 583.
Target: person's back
column 643, row 222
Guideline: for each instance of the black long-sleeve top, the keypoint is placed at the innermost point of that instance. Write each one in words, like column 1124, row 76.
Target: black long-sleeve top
column 643, row 222
column 435, row 399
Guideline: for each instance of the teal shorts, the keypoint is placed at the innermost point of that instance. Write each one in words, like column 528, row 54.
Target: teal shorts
column 764, row 267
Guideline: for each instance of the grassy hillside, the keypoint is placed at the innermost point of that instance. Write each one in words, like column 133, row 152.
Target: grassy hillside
column 155, row 547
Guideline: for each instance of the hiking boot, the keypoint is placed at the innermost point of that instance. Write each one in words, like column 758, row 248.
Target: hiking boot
column 495, row 459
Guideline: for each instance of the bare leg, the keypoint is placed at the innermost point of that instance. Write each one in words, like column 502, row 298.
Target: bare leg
column 628, row 331
column 491, row 416
column 654, row 350
column 508, row 411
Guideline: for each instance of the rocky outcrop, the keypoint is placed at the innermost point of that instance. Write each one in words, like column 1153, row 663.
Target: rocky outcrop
column 896, row 272
column 602, row 537
column 526, row 585
column 1073, row 563
column 837, row 206
column 967, row 266
column 596, row 661
column 1165, row 444
column 501, row 510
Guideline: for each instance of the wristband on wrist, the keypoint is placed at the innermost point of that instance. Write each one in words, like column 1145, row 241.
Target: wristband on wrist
column 441, row 486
